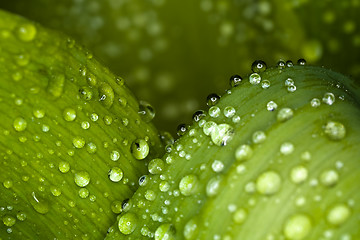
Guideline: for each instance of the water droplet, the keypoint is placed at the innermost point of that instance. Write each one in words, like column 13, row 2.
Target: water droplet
column 212, row 99
column 258, row 137
column 265, row 84
column 289, row 82
column 7, row 184
column 82, row 178
column 150, row 195
column 328, row 98
column 243, row 152
column 181, row 129
column 39, row 204
column 9, row 221
column 284, row 114
column 258, row 66
column 90, row 78
column 106, row 95
column 143, row 180
column 114, row 155
column 289, row 63
column 213, row 186
column 127, row 223
column 55, row 85
column 22, row 60
column 116, row 207
column 78, row 142
column 85, row 125
column 214, row 112
column 209, row 127
column 69, row 114
column 165, row 232
column 191, row 230
column 156, row 166
column 222, row 134
column 21, row 216
column 115, row 174
column 329, row 178
column 140, row 149
column 188, row 184
column 281, row 64
column 338, row 214
column 217, row 166
column 20, row 124
column 298, row 174
column 301, row 62
column 235, row 80
column 297, row 227
column 229, row 111
column 254, row 78
column 271, row 106
column 146, row 111
column 334, row 130
column 91, row 147
column 268, row 183
column 39, row 113
column 239, row 216
column 198, row 115
column 26, row 32
column 55, row 191
column 315, row 102
column 83, row 193
column 287, row 148
column 164, row 186
column 85, row 93
column 94, row 117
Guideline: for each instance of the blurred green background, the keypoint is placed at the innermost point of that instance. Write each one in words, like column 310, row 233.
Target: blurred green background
column 174, row 53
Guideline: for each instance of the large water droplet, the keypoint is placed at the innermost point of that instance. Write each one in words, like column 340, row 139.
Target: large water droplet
column 39, row 204
column 329, row 178
column 115, row 174
column 297, row 227
column 254, row 78
column 243, row 152
column 298, row 174
column 26, row 32
column 127, row 223
column 9, row 221
column 222, row 134
column 106, row 95
column 140, row 149
column 20, row 124
column 214, row 112
column 335, row 130
column 156, row 166
column 146, row 111
column 212, row 99
column 258, row 66
column 268, row 183
column 165, row 232
column 328, row 98
column 69, row 114
column 213, row 186
column 338, row 214
column 78, row 142
column 285, row 114
column 82, row 178
column 191, row 229
column 188, row 184
column 235, row 80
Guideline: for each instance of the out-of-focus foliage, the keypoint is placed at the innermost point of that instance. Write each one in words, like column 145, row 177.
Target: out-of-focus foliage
column 183, row 50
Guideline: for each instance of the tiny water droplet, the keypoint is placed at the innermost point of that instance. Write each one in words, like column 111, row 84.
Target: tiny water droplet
column 213, row 186
column 298, row 174
column 239, row 216
column 329, row 178
column 287, row 148
column 281, row 64
column 271, row 106
column 38, row 113
column 289, row 63
column 181, row 129
column 301, row 62
column 84, row 192
column 91, row 147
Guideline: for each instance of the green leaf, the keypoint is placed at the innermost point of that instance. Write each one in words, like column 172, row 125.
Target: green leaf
column 276, row 158
column 67, row 130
